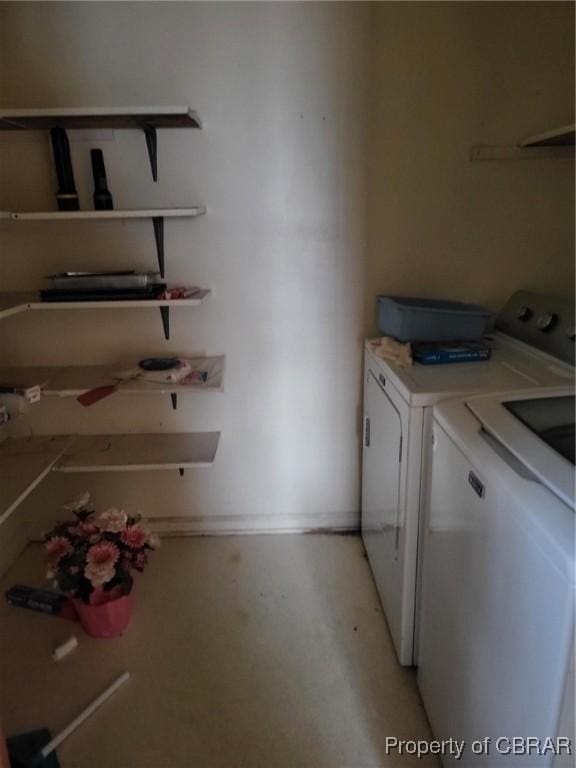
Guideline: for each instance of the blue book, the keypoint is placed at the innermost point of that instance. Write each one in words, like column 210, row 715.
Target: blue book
column 441, row 352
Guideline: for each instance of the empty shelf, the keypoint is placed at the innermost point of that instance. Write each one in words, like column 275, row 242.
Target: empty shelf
column 99, row 117
column 133, row 453
column 24, row 463
column 130, row 213
column 558, row 137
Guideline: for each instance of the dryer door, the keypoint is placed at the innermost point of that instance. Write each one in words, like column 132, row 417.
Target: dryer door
column 381, row 510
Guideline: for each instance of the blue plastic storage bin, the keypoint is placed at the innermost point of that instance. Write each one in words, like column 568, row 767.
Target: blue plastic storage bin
column 411, row 319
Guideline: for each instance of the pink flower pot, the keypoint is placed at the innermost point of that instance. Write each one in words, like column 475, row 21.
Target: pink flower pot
column 106, row 619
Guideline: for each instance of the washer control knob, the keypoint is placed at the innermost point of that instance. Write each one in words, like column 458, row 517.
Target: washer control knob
column 524, row 314
column 571, row 332
column 547, row 321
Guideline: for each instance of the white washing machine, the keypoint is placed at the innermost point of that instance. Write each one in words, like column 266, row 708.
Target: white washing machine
column 533, row 347
column 496, row 650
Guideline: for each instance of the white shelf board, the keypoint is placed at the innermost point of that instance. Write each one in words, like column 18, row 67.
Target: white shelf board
column 24, row 463
column 71, row 381
column 193, row 301
column 99, row 117
column 25, row 377
column 543, row 152
column 562, row 137
column 140, row 213
column 12, row 303
column 144, row 452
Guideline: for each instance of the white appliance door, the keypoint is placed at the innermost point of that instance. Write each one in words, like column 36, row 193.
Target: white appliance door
column 496, row 617
column 381, row 510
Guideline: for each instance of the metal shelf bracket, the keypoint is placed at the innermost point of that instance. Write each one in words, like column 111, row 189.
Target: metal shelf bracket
column 165, row 314
column 152, row 146
column 158, row 224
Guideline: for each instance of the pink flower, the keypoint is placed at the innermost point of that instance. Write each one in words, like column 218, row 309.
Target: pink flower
column 112, row 520
column 152, row 539
column 134, row 537
column 104, row 554
column 57, row 547
column 100, row 561
column 98, row 575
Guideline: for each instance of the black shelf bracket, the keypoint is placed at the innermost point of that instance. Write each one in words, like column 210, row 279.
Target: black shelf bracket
column 158, row 224
column 181, row 471
column 152, row 146
column 165, row 314
column 174, row 398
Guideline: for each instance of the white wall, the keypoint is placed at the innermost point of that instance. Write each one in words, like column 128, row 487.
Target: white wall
column 290, row 247
column 282, row 92
column 448, row 76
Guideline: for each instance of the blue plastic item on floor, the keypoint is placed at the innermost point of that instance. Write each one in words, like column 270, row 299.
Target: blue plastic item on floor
column 414, row 319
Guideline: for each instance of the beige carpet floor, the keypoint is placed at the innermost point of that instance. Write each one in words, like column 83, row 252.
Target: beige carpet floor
column 244, row 652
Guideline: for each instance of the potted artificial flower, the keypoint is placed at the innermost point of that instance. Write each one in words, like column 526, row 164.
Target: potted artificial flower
column 91, row 558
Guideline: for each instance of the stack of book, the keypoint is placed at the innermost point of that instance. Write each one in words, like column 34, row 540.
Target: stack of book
column 428, row 353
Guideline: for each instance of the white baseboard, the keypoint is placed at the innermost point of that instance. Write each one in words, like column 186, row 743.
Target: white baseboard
column 227, row 525
column 251, row 524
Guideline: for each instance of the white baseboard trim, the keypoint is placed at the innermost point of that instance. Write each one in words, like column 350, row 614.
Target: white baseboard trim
column 222, row 525
column 228, row 525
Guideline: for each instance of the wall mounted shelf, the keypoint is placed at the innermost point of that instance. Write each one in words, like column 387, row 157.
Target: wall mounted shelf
column 558, row 137
column 554, row 144
column 139, row 452
column 24, row 463
column 13, row 303
column 156, row 214
column 75, row 380
column 146, row 119
column 137, row 213
column 486, row 152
